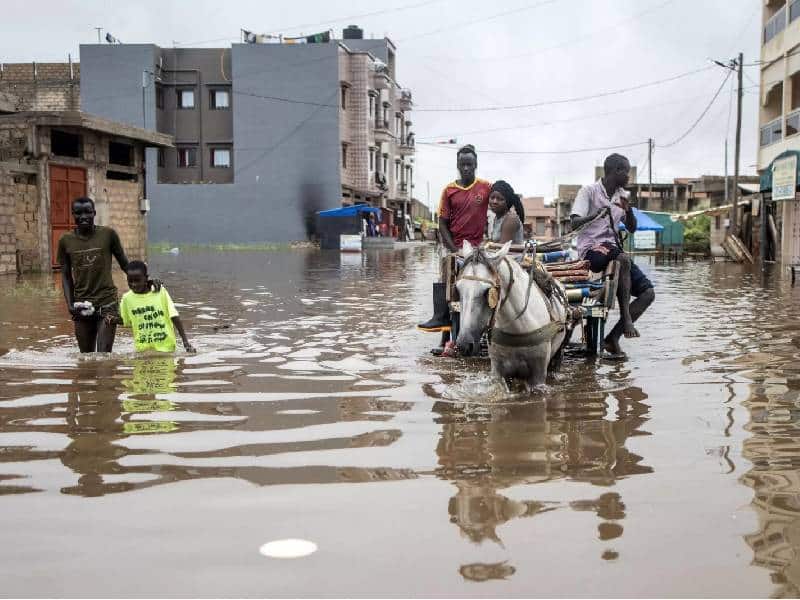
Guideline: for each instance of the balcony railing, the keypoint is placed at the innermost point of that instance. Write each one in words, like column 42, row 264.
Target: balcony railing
column 794, row 10
column 792, row 123
column 772, row 132
column 775, row 25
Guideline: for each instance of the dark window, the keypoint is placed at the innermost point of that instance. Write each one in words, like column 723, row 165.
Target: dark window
column 344, row 156
column 372, row 159
column 120, row 154
column 220, row 99
column 385, row 164
column 371, row 105
column 161, row 160
column 65, row 144
column 187, row 157
column 185, row 98
column 344, row 97
column 120, row 176
column 221, row 158
column 159, row 96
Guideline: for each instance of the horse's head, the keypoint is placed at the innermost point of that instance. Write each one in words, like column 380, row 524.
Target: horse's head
column 479, row 290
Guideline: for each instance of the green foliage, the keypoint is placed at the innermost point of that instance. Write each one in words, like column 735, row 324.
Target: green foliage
column 697, row 235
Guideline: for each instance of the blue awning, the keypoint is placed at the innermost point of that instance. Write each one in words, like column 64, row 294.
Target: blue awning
column 644, row 222
column 349, row 211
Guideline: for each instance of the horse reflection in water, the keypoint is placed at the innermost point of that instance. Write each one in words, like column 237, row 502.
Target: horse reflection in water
column 485, row 449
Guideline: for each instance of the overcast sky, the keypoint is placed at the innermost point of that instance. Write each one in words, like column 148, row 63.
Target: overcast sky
column 472, row 54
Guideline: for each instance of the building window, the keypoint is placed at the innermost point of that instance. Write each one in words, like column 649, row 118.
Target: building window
column 371, row 104
column 385, row 164
column 372, row 159
column 159, row 96
column 120, row 154
column 187, row 157
column 540, row 226
column 185, row 98
column 220, row 100
column 344, row 156
column 221, row 158
column 63, row 143
column 397, row 171
column 344, row 97
column 160, row 159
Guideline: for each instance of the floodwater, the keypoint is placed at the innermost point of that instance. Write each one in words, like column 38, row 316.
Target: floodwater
column 313, row 411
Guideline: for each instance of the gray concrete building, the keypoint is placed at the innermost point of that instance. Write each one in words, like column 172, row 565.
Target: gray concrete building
column 265, row 134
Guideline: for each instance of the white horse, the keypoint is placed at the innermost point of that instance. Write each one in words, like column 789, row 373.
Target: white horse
column 527, row 328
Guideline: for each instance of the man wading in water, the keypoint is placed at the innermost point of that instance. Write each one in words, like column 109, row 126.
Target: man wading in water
column 599, row 243
column 85, row 258
column 463, row 211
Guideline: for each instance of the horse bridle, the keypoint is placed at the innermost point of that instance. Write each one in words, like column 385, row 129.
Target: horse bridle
column 493, row 295
column 495, row 304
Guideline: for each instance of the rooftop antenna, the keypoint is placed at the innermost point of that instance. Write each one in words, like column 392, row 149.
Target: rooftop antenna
column 99, row 29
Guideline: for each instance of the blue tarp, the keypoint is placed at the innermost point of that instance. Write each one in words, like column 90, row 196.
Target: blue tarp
column 349, row 211
column 644, row 222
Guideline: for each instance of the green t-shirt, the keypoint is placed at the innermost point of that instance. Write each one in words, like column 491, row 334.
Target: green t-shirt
column 150, row 318
column 90, row 259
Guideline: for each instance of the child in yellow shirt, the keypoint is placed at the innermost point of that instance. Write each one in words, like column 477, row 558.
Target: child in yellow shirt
column 151, row 315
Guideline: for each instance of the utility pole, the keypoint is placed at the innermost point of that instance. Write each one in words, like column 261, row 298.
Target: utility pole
column 649, row 171
column 727, row 197
column 734, row 218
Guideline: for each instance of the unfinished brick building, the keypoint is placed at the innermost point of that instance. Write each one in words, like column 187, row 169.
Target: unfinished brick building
column 49, row 158
column 40, row 86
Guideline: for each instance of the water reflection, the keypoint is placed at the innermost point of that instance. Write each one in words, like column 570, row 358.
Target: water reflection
column 486, row 449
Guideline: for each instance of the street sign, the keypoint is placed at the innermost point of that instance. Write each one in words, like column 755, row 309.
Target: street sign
column 644, row 240
column 784, row 178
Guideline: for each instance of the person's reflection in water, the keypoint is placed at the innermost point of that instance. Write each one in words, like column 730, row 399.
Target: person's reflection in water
column 97, row 421
column 486, row 449
column 774, row 451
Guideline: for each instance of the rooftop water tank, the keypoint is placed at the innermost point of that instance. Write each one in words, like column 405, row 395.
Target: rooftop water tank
column 353, row 32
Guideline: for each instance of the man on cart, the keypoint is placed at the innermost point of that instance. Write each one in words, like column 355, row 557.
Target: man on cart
column 463, row 210
column 602, row 206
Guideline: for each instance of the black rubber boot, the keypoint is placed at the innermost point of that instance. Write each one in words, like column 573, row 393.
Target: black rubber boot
column 441, row 312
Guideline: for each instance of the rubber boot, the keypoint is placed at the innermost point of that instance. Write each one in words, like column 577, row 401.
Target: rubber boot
column 441, row 312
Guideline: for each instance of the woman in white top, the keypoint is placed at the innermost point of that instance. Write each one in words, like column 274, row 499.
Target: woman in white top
column 509, row 214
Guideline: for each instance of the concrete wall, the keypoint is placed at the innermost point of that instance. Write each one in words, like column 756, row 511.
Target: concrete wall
column 283, row 172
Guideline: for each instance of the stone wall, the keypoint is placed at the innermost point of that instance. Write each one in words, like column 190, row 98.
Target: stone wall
column 42, row 86
column 27, row 222
column 124, row 216
column 8, row 261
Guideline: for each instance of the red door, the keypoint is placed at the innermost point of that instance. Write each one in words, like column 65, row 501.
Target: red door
column 66, row 184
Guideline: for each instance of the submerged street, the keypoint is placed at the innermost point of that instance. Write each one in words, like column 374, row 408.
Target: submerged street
column 313, row 410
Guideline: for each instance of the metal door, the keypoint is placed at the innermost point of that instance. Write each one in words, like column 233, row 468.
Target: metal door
column 66, row 184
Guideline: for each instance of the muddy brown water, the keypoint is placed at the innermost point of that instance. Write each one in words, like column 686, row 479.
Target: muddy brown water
column 313, row 411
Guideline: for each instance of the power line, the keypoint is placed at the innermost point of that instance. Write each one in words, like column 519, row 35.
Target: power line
column 703, row 114
column 558, row 121
column 498, row 15
column 532, row 152
column 571, row 42
column 361, row 16
column 564, row 100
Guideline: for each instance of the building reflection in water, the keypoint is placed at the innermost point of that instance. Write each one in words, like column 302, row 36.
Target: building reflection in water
column 774, row 451
column 485, row 450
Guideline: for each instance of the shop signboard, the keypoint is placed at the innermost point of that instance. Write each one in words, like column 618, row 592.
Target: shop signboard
column 784, row 178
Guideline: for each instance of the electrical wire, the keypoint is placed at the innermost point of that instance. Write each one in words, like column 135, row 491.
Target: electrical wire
column 703, row 114
column 563, row 100
column 484, row 19
column 571, row 42
column 533, row 152
column 559, row 121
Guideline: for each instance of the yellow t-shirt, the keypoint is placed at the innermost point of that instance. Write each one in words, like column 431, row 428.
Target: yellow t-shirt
column 150, row 318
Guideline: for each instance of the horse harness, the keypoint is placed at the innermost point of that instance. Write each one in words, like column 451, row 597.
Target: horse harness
column 515, row 340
